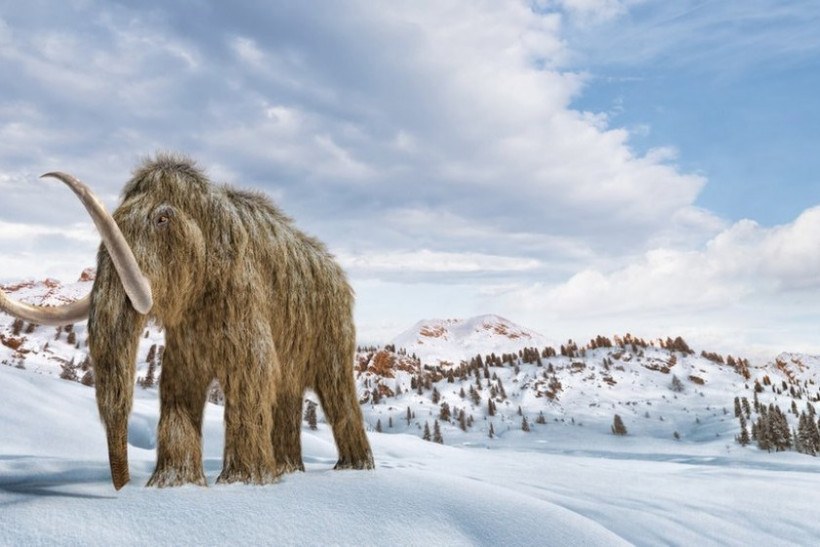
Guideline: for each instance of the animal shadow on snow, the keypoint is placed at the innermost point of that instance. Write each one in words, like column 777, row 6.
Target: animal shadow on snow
column 26, row 480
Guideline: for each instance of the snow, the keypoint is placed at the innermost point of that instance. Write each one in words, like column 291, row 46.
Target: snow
column 567, row 482
column 55, row 489
column 583, row 488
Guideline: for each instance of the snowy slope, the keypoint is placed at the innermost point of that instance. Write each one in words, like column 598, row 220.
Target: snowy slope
column 52, row 463
column 452, row 340
column 55, row 488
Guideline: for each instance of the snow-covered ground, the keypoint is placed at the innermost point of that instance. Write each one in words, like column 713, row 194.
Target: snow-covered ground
column 575, row 486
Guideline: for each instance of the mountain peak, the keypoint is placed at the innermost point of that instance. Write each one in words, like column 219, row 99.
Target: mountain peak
column 453, row 340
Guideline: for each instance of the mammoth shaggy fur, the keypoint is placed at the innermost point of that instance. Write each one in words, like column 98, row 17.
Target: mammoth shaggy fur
column 245, row 298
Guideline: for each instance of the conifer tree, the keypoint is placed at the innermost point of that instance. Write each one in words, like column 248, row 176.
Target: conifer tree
column 437, row 438
column 88, row 378
column 149, row 379
column 618, row 427
column 743, row 438
column 525, row 425
column 379, row 425
column 426, row 435
column 17, row 327
column 69, row 372
column 476, row 396
column 491, row 433
column 808, row 435
column 462, row 420
column 762, row 431
column 444, row 413
column 782, row 431
column 310, row 415
column 408, row 416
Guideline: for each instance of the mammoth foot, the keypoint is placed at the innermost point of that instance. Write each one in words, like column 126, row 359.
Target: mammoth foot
column 248, row 476
column 288, row 465
column 365, row 462
column 163, row 478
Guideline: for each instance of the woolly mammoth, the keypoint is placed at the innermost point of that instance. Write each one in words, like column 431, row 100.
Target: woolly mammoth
column 244, row 297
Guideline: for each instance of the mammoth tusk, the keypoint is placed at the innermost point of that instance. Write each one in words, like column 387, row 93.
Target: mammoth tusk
column 133, row 281
column 47, row 315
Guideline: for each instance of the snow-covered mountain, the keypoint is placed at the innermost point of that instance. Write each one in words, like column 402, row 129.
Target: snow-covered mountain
column 451, row 340
column 56, row 350
column 50, row 292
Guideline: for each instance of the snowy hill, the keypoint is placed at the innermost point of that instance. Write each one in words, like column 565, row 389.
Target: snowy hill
column 504, row 403
column 452, row 340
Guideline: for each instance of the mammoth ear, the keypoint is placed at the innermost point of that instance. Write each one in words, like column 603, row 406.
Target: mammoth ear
column 229, row 239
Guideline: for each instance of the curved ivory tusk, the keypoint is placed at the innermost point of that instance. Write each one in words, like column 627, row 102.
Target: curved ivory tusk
column 135, row 284
column 67, row 314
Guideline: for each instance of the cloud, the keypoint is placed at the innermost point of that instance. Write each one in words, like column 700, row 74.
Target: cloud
column 745, row 260
column 33, row 251
column 426, row 261
column 373, row 106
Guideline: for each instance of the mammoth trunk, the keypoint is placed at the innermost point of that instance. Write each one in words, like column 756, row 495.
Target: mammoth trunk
column 114, row 328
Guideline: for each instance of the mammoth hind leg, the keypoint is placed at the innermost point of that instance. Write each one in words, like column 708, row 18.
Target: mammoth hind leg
column 337, row 394
column 287, row 430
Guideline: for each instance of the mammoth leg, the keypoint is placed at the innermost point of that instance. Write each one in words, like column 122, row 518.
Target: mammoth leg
column 249, row 394
column 183, row 392
column 337, row 393
column 287, row 430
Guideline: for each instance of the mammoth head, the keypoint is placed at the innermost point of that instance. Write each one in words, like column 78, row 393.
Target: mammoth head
column 151, row 263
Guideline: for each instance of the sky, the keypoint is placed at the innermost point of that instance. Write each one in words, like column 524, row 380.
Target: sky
column 580, row 167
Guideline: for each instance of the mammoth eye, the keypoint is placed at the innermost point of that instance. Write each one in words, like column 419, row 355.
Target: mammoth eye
column 163, row 217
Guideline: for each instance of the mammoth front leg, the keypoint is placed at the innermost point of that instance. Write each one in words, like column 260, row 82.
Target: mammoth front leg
column 183, row 391
column 249, row 391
